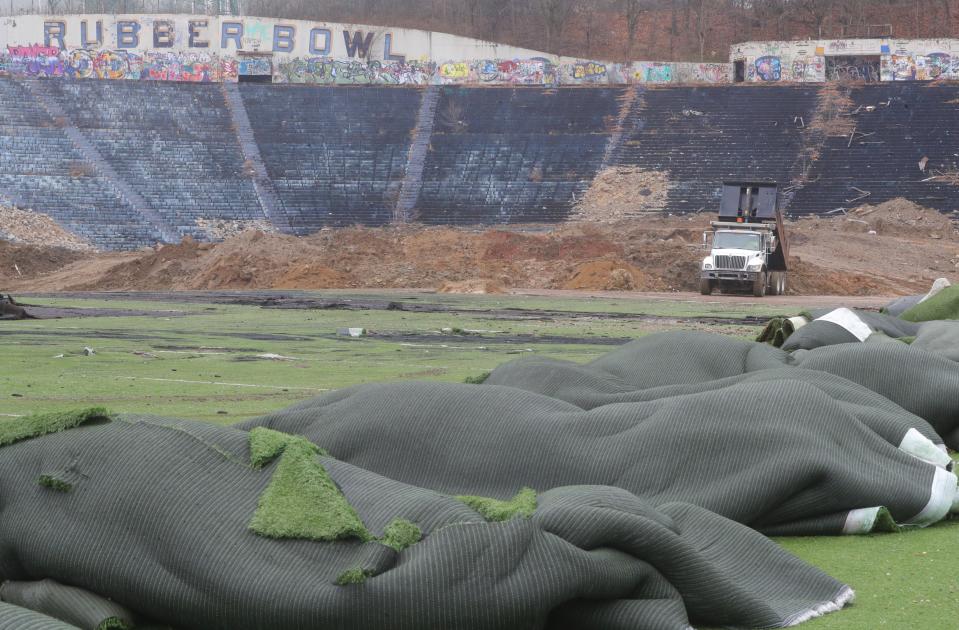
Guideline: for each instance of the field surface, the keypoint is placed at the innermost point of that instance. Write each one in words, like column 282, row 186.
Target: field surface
column 225, row 357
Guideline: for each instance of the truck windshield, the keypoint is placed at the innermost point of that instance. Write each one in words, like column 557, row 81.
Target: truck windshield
column 737, row 240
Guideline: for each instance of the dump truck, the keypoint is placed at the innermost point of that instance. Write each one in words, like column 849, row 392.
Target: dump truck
column 748, row 250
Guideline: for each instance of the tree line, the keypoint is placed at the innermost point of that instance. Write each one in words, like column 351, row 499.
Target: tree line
column 672, row 30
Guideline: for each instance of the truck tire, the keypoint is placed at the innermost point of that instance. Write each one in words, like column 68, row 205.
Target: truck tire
column 782, row 283
column 759, row 284
column 706, row 286
column 775, row 282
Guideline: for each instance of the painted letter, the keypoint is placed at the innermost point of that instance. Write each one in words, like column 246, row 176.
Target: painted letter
column 85, row 41
column 283, row 38
column 54, row 31
column 162, row 34
column 195, row 34
column 234, row 31
column 327, row 41
column 359, row 44
column 128, row 34
column 388, row 50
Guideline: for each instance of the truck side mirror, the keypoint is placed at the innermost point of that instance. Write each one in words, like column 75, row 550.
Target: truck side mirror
column 705, row 240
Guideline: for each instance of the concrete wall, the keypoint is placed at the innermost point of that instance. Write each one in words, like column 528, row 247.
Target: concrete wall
column 221, row 48
column 868, row 60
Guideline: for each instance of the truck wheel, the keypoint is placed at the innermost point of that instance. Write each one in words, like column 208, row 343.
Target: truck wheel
column 705, row 286
column 759, row 285
column 775, row 278
column 782, row 283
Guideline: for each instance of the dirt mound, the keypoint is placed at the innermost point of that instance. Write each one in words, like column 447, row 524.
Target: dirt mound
column 900, row 217
column 655, row 253
column 20, row 262
column 607, row 275
column 35, row 228
column 622, row 192
column 220, row 229
column 471, row 286
column 811, row 279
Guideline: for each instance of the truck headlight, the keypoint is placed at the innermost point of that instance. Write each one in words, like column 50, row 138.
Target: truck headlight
column 754, row 267
column 707, row 266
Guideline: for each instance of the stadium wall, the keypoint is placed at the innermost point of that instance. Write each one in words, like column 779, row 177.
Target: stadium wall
column 869, row 60
column 203, row 48
column 125, row 163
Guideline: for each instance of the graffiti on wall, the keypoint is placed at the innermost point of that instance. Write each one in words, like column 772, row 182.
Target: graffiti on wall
column 203, row 66
column 254, row 66
column 652, row 72
column 326, row 71
column 937, row 65
column 804, row 69
column 853, row 68
column 768, row 68
column 117, row 64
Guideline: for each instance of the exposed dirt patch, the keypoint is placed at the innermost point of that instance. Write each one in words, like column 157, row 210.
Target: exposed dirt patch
column 900, row 217
column 622, row 192
column 36, row 228
column 909, row 247
column 21, row 261
column 477, row 287
column 606, row 275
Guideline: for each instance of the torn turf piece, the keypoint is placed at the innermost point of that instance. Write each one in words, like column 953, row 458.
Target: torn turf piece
column 114, row 623
column 400, row 534
column 523, row 504
column 45, row 423
column 355, row 575
column 49, row 481
column 302, row 501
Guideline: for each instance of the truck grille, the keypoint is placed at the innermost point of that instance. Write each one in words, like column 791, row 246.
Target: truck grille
column 730, row 262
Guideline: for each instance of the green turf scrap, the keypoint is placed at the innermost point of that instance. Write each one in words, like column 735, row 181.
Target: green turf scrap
column 523, row 505
column 479, row 379
column 45, row 423
column 400, row 534
column 885, row 522
column 49, row 481
column 302, row 501
column 943, row 305
column 355, row 575
column 267, row 444
column 114, row 623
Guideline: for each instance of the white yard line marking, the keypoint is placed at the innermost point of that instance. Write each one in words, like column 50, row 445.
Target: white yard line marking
column 183, row 380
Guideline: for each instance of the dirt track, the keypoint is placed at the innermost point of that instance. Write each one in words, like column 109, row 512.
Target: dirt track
column 891, row 249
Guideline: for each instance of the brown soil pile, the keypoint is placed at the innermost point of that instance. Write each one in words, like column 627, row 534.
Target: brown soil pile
column 900, row 217
column 910, row 247
column 471, row 286
column 35, row 228
column 219, row 229
column 19, row 261
column 622, row 192
column 608, row 275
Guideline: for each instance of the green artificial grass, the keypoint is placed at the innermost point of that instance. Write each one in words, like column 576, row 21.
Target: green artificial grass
column 352, row 576
column 523, row 505
column 400, row 534
column 114, row 623
column 943, row 305
column 49, row 481
column 302, row 501
column 885, row 522
column 479, row 379
column 45, row 423
column 267, row 444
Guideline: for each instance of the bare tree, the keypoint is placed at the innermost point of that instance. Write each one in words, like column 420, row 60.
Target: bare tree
column 555, row 14
column 633, row 10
